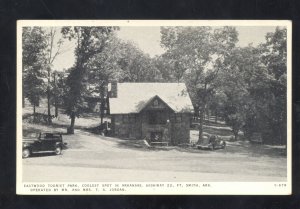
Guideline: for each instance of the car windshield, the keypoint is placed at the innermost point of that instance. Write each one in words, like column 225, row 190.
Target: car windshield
column 50, row 136
column 205, row 141
column 32, row 135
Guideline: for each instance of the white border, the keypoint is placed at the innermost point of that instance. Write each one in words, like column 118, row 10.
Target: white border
column 216, row 188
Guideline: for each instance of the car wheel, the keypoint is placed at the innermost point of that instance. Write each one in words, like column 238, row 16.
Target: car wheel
column 58, row 150
column 26, row 153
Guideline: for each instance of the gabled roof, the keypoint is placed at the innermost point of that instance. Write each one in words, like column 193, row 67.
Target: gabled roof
column 133, row 97
column 149, row 102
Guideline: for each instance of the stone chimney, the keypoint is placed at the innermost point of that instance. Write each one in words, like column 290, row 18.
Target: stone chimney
column 114, row 89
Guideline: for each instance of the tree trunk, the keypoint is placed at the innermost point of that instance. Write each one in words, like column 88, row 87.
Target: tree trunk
column 107, row 104
column 236, row 135
column 71, row 128
column 102, row 105
column 216, row 116
column 202, row 114
column 196, row 114
column 101, row 113
column 55, row 95
column 201, row 125
column 48, row 98
column 33, row 112
column 208, row 116
column 48, row 104
column 56, row 109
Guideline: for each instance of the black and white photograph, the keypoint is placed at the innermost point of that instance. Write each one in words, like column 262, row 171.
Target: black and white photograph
column 153, row 107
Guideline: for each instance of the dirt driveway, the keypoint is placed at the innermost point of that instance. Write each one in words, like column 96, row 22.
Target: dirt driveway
column 96, row 158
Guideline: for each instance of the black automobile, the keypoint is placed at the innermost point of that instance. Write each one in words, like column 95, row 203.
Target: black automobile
column 211, row 142
column 43, row 143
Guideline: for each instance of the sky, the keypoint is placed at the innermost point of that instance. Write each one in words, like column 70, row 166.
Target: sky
column 148, row 40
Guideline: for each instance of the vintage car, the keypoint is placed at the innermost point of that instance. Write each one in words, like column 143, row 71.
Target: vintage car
column 43, row 143
column 211, row 142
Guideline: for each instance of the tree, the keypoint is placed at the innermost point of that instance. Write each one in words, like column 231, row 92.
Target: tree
column 135, row 64
column 35, row 87
column 217, row 104
column 52, row 51
column 198, row 54
column 33, row 64
column 163, row 69
column 59, row 85
column 262, row 78
column 255, row 89
column 103, row 68
column 274, row 56
column 119, row 61
column 243, row 76
column 90, row 41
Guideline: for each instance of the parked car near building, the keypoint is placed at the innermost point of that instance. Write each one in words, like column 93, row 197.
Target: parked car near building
column 212, row 143
column 43, row 143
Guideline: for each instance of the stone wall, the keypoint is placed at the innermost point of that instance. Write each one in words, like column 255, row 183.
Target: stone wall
column 126, row 125
column 147, row 128
column 180, row 128
column 137, row 126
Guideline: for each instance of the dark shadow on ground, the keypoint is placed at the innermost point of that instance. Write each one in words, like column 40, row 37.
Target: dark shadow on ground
column 65, row 126
column 43, row 154
column 39, row 129
column 98, row 130
column 253, row 150
column 213, row 123
column 240, row 147
column 91, row 115
column 55, row 125
column 30, row 130
column 214, row 129
column 141, row 145
column 133, row 144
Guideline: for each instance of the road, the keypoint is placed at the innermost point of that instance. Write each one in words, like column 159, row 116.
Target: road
column 104, row 159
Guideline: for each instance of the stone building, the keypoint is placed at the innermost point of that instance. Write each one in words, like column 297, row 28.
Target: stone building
column 159, row 112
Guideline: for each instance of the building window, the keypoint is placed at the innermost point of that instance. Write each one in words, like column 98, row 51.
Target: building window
column 157, row 117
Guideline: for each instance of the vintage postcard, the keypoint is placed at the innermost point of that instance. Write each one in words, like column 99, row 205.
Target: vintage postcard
column 154, row 107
